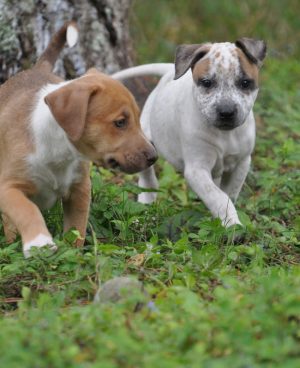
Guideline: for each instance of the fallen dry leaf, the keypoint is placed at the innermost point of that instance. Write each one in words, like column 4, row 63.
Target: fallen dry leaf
column 137, row 260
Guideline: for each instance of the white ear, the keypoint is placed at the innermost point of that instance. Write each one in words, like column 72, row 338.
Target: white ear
column 72, row 35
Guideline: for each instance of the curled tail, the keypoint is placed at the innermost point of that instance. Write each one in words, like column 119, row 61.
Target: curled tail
column 159, row 69
column 68, row 32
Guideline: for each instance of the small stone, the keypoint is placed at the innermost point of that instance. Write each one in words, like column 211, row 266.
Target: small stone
column 118, row 288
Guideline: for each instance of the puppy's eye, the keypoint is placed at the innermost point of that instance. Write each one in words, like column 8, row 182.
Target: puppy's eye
column 120, row 123
column 246, row 83
column 206, row 83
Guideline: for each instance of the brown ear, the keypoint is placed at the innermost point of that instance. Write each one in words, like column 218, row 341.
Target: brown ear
column 186, row 57
column 69, row 105
column 255, row 50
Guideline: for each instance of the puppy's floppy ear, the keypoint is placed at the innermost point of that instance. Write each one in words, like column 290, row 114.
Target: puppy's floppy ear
column 69, row 105
column 186, row 57
column 255, row 50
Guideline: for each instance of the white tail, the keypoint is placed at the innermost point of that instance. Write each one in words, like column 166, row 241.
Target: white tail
column 72, row 35
column 159, row 69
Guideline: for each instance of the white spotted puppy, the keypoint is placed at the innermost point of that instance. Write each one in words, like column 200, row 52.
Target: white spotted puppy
column 200, row 119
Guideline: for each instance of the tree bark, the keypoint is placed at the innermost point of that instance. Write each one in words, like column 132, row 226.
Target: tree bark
column 27, row 25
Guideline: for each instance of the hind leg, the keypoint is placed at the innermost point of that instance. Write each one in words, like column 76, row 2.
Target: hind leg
column 147, row 179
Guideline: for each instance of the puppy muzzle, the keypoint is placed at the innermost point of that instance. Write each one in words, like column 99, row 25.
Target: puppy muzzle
column 226, row 117
column 132, row 162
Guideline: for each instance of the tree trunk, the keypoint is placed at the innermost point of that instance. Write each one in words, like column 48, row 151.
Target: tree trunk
column 27, row 25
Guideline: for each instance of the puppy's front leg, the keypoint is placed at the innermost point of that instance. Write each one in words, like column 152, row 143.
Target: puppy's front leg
column 26, row 217
column 147, row 179
column 232, row 182
column 215, row 199
column 10, row 231
column 76, row 206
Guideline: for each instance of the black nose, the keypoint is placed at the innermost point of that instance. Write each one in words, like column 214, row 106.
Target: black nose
column 151, row 160
column 151, row 157
column 226, row 112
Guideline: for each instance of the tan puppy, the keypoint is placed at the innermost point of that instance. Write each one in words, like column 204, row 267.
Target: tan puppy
column 50, row 130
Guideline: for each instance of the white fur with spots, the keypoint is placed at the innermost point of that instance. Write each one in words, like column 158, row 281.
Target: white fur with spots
column 181, row 118
column 225, row 70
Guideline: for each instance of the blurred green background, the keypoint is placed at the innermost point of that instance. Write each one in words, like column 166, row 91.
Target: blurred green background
column 159, row 25
column 224, row 298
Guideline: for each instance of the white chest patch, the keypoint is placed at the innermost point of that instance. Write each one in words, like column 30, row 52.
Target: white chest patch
column 55, row 164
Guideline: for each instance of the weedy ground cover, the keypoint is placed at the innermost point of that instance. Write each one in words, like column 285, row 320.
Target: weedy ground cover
column 223, row 298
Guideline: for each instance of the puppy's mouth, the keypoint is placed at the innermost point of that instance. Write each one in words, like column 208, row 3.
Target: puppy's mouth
column 115, row 165
column 110, row 163
column 129, row 163
column 226, row 124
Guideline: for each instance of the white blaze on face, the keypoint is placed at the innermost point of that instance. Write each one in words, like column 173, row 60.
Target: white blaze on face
column 225, row 71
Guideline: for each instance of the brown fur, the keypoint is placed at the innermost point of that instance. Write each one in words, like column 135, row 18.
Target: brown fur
column 187, row 56
column 50, row 55
column 250, row 69
column 86, row 109
column 76, row 204
column 201, row 69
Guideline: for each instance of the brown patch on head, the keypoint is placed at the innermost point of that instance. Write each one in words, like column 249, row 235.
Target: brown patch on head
column 186, row 57
column 248, row 68
column 112, row 134
column 201, row 69
column 218, row 54
column 255, row 50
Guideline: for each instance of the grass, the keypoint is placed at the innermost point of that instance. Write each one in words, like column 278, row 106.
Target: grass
column 223, row 298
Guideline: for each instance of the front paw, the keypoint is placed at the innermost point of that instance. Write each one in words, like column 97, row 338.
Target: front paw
column 147, row 197
column 39, row 241
column 231, row 221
